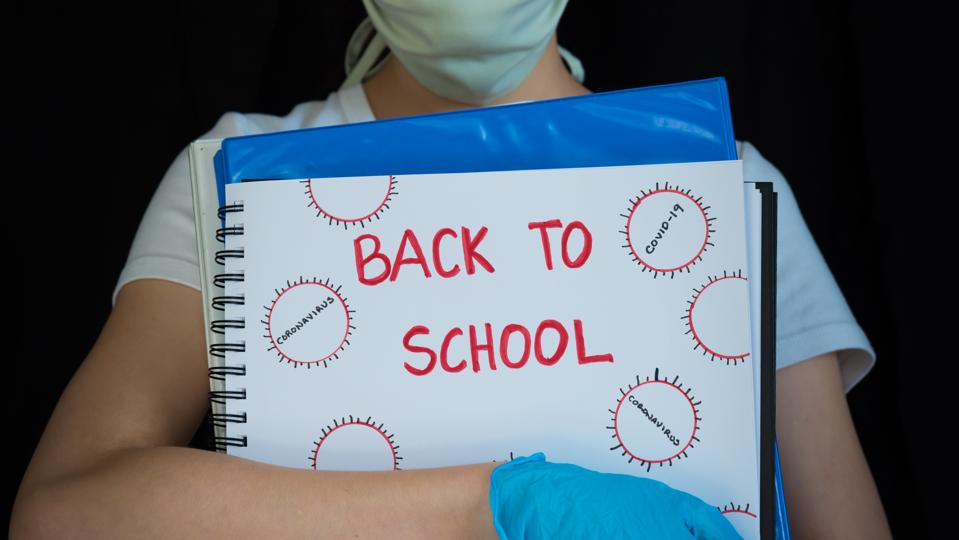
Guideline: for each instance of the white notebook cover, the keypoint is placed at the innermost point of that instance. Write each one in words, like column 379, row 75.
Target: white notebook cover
column 317, row 399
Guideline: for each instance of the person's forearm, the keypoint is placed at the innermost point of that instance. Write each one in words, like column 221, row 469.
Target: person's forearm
column 179, row 492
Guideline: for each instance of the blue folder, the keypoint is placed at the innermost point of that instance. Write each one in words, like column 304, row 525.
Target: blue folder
column 670, row 123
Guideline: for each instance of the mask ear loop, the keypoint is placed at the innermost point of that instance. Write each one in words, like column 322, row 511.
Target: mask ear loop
column 363, row 54
column 574, row 64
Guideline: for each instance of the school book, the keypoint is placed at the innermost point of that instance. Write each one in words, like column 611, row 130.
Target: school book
column 572, row 328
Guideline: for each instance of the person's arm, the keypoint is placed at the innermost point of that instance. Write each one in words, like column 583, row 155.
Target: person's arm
column 829, row 489
column 113, row 462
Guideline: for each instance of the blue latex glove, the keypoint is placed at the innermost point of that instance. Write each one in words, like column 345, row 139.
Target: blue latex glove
column 532, row 498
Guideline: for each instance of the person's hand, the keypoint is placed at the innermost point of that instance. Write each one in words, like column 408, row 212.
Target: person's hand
column 532, row 498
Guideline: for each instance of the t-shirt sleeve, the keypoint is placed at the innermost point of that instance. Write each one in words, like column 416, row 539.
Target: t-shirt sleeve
column 165, row 245
column 812, row 315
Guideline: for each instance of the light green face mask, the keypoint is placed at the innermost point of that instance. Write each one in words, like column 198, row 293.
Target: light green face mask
column 472, row 51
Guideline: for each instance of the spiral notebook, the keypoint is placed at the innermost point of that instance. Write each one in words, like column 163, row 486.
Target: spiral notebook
column 603, row 315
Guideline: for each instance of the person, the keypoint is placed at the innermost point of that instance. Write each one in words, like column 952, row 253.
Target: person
column 113, row 461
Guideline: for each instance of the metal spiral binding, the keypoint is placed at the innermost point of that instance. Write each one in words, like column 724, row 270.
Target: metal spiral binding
column 219, row 326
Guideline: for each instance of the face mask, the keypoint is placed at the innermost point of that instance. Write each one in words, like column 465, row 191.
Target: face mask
column 472, row 51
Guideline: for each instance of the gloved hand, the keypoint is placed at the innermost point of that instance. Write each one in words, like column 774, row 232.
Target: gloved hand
column 532, row 498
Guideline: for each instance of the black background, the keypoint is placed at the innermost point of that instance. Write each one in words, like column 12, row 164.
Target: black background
column 848, row 99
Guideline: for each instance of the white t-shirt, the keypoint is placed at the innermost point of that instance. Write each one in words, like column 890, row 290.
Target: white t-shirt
column 812, row 316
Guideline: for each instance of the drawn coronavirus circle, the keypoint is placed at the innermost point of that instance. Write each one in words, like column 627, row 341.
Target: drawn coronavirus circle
column 308, row 323
column 739, row 516
column 717, row 318
column 355, row 445
column 655, row 422
column 349, row 202
column 667, row 230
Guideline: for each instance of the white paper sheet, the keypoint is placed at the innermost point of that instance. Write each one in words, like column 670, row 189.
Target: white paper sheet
column 331, row 385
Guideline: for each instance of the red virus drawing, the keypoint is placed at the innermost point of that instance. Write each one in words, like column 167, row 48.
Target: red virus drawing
column 717, row 318
column 740, row 517
column 349, row 202
column 355, row 445
column 309, row 322
column 667, row 230
column 737, row 509
column 655, row 422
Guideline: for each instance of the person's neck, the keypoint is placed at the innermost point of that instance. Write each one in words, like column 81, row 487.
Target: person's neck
column 393, row 91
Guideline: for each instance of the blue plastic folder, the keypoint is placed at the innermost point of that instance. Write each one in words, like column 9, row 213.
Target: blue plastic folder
column 671, row 123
